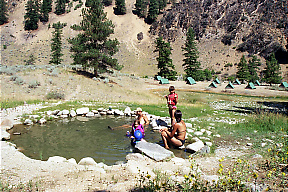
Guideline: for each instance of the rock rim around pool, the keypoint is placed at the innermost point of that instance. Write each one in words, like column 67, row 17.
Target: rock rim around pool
column 153, row 150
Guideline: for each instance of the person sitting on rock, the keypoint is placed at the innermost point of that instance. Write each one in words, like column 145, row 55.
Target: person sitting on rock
column 175, row 135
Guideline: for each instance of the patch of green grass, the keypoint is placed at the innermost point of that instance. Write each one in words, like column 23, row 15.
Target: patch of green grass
column 5, row 104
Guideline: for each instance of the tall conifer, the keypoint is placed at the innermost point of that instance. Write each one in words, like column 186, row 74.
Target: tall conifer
column 60, row 7
column 242, row 70
column 192, row 66
column 141, row 8
column 153, row 11
column 31, row 18
column 167, row 69
column 57, row 43
column 272, row 70
column 92, row 47
column 253, row 64
column 120, row 8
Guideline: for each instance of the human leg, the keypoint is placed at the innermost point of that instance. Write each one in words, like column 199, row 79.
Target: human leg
column 164, row 139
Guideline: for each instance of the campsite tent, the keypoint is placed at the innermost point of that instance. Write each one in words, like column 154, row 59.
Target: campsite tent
column 164, row 81
column 191, row 81
column 229, row 86
column 237, row 82
column 257, row 83
column 213, row 85
column 250, row 86
column 217, row 81
column 158, row 77
column 284, row 85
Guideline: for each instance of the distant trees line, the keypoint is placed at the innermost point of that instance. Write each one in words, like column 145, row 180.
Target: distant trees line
column 246, row 71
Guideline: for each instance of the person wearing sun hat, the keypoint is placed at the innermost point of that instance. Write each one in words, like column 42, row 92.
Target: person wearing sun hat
column 141, row 117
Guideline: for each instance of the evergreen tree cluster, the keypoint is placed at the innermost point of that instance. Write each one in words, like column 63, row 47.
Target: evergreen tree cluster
column 149, row 9
column 36, row 11
column 248, row 71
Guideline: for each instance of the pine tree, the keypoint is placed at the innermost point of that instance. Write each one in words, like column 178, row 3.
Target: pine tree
column 92, row 47
column 243, row 72
column 272, row 70
column 107, row 2
column 162, row 4
column 60, row 7
column 44, row 10
column 191, row 65
column 3, row 12
column 31, row 17
column 141, row 8
column 57, row 43
column 167, row 69
column 120, row 8
column 252, row 68
column 153, row 11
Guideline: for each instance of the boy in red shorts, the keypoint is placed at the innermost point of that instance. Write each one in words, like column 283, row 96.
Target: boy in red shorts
column 172, row 99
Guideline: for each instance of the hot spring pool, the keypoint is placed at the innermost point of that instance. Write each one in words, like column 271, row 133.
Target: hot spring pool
column 78, row 138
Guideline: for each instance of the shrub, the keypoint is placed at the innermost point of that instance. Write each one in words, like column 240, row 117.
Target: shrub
column 55, row 95
column 34, row 84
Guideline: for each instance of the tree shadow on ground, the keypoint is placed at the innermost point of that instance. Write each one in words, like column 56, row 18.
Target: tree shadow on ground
column 274, row 107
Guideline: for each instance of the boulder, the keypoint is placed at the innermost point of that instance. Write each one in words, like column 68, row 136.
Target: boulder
column 87, row 161
column 127, row 111
column 94, row 111
column 110, row 112
column 49, row 113
column 90, row 114
column 100, row 109
column 55, row 112
column 82, row 111
column 28, row 122
column 72, row 113
column 153, row 150
column 7, row 123
column 73, row 161
column 5, row 135
column 194, row 147
column 57, row 159
column 42, row 121
column 198, row 133
column 65, row 112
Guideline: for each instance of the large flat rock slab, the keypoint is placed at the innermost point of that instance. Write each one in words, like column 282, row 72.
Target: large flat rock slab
column 154, row 151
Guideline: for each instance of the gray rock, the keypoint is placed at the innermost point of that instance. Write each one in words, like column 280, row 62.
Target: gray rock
column 82, row 111
column 198, row 133
column 90, row 114
column 194, row 147
column 42, row 121
column 5, row 135
column 73, row 113
column 28, row 122
column 7, row 123
column 55, row 112
column 65, row 112
column 154, row 151
column 73, row 161
column 87, row 161
column 127, row 111
column 57, row 159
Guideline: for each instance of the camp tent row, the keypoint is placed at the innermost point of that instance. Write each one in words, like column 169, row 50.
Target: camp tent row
column 162, row 80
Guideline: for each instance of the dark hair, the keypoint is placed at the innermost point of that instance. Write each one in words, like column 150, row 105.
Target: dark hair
column 171, row 88
column 178, row 116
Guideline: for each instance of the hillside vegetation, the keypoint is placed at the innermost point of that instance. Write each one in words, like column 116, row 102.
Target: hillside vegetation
column 237, row 29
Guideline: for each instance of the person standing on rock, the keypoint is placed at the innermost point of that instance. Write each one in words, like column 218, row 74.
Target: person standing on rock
column 142, row 117
column 172, row 100
column 176, row 135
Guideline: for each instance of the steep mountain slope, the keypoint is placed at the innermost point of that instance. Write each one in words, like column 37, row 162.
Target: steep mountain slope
column 225, row 29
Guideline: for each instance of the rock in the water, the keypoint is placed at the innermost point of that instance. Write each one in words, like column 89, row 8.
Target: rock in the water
column 153, row 150
column 82, row 111
column 5, row 135
column 65, row 112
column 194, row 147
column 87, row 161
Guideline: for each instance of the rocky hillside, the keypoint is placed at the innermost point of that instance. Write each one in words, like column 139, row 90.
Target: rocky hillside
column 257, row 26
column 225, row 29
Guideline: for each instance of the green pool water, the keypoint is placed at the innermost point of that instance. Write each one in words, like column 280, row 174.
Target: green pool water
column 78, row 138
